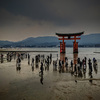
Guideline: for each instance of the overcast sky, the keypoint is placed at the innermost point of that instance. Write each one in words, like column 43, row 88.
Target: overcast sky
column 20, row 19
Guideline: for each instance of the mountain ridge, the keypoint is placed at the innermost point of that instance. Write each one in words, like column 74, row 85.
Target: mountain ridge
column 90, row 39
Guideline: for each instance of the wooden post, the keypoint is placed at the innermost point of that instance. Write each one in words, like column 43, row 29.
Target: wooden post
column 75, row 45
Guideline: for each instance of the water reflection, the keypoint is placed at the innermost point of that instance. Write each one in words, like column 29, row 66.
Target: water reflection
column 18, row 69
column 91, row 78
column 37, row 65
column 62, row 61
column 41, row 73
column 32, row 64
column 46, row 67
column 95, row 68
column 41, row 78
column 75, row 57
column 62, row 57
column 32, row 68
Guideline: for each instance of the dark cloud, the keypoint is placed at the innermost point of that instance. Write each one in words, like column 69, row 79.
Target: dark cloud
column 35, row 9
column 61, row 12
column 48, row 16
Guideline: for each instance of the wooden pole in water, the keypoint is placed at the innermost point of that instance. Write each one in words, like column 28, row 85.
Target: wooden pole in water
column 75, row 45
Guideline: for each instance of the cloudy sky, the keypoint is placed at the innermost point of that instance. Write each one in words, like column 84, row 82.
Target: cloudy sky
column 20, row 19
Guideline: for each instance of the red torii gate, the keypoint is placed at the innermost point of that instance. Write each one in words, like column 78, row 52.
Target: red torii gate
column 69, row 35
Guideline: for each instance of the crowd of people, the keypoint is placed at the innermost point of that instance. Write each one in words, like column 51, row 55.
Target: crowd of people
column 77, row 69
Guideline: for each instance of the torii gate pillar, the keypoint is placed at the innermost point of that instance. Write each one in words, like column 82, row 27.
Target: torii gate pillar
column 62, row 46
column 75, row 45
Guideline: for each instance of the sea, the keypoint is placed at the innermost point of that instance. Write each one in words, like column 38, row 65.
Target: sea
column 25, row 84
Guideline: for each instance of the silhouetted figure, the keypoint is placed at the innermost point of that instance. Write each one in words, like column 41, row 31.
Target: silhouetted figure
column 80, row 64
column 90, row 66
column 66, row 65
column 55, row 65
column 50, row 58
column 71, row 64
column 60, row 66
column 63, row 66
column 28, row 59
column 18, row 63
column 7, row 57
column 66, row 59
column 1, row 58
column 32, row 64
column 84, row 68
column 94, row 60
column 10, row 57
column 95, row 66
column 78, row 61
column 41, row 68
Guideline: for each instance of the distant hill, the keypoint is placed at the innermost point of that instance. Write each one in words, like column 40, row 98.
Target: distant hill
column 38, row 41
column 5, row 43
column 52, row 41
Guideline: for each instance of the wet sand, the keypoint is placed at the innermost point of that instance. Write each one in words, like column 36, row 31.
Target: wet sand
column 25, row 84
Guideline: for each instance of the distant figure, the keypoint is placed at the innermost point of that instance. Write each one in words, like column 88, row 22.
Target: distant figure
column 10, row 57
column 60, row 66
column 32, row 64
column 55, row 65
column 66, row 64
column 84, row 68
column 93, row 60
column 7, row 57
column 57, row 56
column 28, row 59
column 50, row 56
column 78, row 61
column 18, row 63
column 95, row 66
column 80, row 64
column 1, row 58
column 90, row 66
column 41, row 68
column 66, row 59
column 71, row 64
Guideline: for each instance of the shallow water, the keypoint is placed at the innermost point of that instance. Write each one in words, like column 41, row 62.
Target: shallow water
column 25, row 84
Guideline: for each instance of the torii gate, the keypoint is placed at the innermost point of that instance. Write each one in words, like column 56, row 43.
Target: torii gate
column 70, row 36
